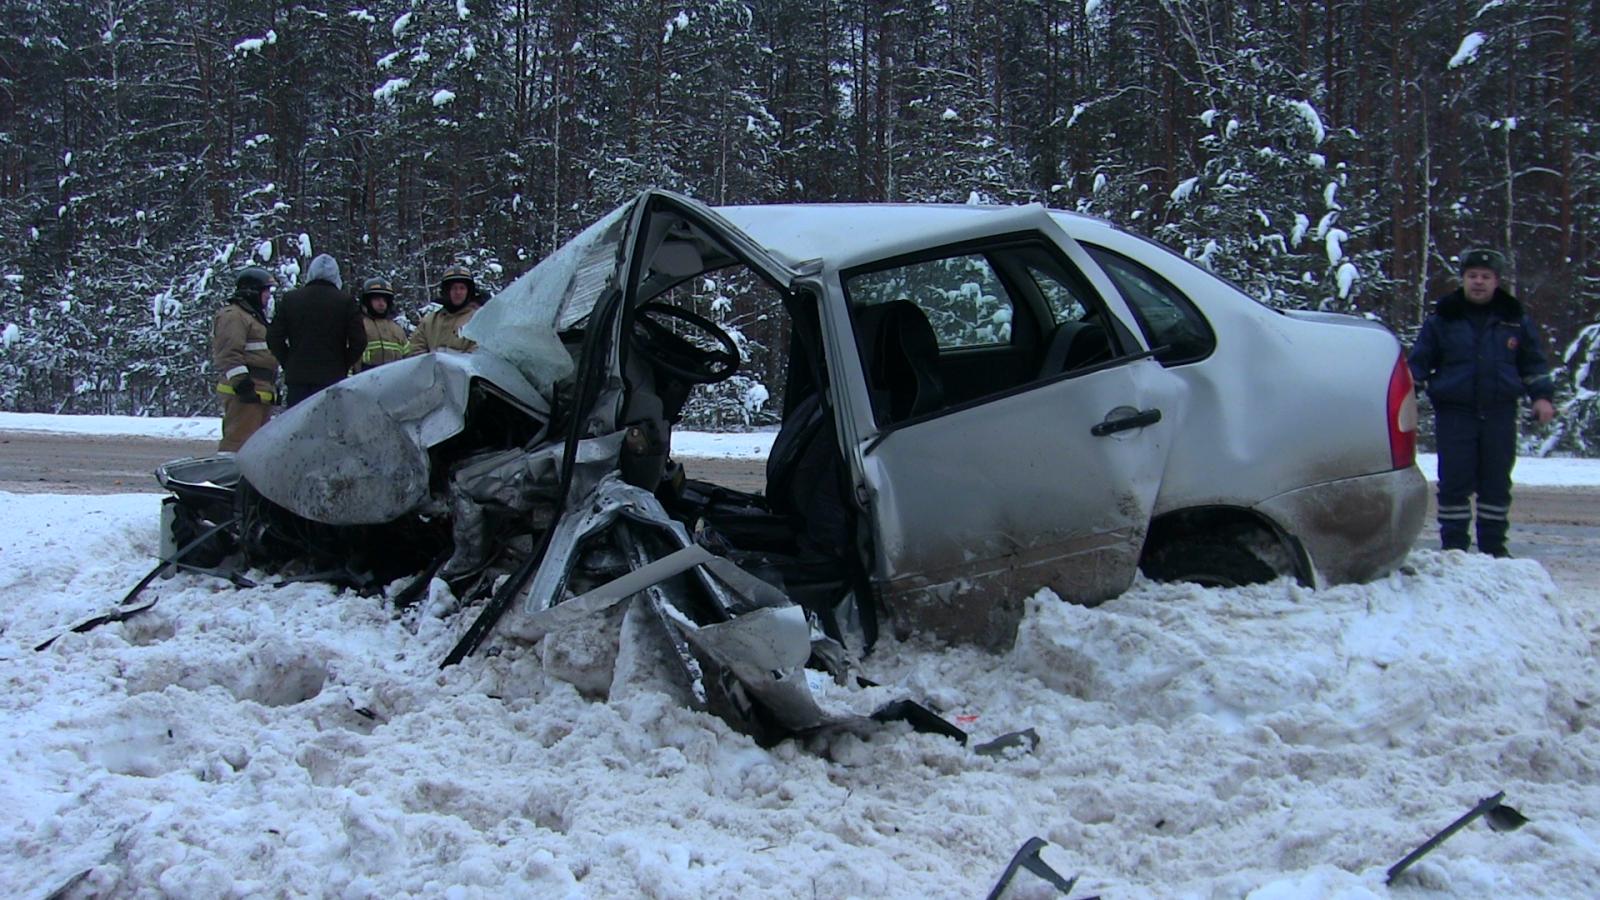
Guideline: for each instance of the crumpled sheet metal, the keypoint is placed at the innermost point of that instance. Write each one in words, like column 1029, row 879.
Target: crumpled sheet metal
column 357, row 452
column 519, row 481
column 764, row 643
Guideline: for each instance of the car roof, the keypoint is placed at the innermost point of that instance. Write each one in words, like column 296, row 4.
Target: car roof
column 848, row 234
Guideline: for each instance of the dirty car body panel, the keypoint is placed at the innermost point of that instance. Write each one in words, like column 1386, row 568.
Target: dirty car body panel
column 980, row 403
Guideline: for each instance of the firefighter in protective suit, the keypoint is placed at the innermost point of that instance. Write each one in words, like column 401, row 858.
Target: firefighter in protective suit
column 386, row 340
column 441, row 329
column 247, row 372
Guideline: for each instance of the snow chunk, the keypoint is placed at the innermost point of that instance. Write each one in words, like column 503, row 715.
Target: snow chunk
column 1231, row 129
column 253, row 45
column 10, row 335
column 1317, row 160
column 949, row 114
column 1184, row 189
column 264, row 250
column 1326, row 222
column 1302, row 224
column 461, row 10
column 1099, row 183
column 1328, row 193
column 1207, row 117
column 305, row 245
column 361, row 15
column 387, row 91
column 678, row 23
column 442, row 97
column 14, row 279
column 66, row 159
column 1346, row 277
column 1335, row 244
column 387, row 60
column 1313, row 121
column 1468, row 51
column 1090, row 7
column 400, row 25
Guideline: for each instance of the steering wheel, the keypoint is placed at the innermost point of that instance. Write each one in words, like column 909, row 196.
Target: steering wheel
column 679, row 355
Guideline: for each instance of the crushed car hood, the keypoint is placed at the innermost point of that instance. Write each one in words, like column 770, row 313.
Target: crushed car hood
column 357, row 452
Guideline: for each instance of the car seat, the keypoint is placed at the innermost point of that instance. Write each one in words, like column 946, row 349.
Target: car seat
column 901, row 355
column 1074, row 345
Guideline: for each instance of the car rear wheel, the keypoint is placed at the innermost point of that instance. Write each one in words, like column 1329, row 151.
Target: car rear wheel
column 1206, row 561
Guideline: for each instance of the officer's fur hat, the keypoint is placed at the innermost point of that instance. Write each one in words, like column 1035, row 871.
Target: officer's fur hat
column 1483, row 259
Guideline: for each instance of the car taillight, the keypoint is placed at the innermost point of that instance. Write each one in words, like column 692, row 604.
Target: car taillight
column 1402, row 408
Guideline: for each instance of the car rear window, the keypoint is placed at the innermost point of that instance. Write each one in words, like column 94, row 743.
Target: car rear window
column 1169, row 320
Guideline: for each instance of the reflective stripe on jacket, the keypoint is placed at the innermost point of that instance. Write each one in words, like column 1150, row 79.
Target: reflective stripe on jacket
column 267, row 396
column 386, row 342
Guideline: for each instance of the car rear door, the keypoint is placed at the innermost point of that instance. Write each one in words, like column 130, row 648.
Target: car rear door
column 1048, row 482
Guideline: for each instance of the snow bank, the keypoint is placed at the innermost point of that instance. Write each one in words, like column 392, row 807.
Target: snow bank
column 1269, row 741
column 198, row 428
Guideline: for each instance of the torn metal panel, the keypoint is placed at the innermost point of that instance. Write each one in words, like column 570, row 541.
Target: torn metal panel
column 754, row 633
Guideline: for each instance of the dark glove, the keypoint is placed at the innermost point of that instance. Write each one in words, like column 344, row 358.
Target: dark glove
column 244, row 387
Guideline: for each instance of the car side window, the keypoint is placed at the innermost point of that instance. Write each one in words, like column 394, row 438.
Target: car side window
column 962, row 296
column 1065, row 301
column 1168, row 319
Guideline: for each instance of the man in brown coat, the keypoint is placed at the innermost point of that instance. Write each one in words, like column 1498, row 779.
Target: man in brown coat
column 386, row 340
column 441, row 329
column 247, row 372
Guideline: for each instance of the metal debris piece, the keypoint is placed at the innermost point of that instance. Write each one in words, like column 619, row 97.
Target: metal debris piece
column 1499, row 817
column 1027, row 737
column 1027, row 857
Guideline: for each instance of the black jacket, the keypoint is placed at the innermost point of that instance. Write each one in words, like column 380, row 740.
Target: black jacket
column 316, row 334
column 1480, row 365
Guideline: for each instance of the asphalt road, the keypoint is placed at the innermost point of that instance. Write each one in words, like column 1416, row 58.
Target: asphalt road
column 1560, row 527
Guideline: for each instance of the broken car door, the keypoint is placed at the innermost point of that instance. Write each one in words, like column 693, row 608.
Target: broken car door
column 1021, row 430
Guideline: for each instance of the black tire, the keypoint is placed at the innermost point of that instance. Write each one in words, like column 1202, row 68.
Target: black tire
column 1206, row 561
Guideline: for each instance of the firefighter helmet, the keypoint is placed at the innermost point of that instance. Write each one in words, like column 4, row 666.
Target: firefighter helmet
column 377, row 285
column 252, row 281
column 454, row 274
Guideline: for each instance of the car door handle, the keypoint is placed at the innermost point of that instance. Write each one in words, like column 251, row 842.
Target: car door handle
column 1126, row 423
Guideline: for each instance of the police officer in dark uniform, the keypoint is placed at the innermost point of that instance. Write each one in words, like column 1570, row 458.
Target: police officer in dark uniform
column 1478, row 354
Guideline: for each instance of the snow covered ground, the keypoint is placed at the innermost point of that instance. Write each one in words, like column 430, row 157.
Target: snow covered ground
column 1265, row 742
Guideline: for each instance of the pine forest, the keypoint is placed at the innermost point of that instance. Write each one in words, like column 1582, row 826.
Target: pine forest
column 1325, row 154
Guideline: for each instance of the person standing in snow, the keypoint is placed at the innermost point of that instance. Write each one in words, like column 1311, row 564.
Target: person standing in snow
column 441, row 329
column 246, row 369
column 1477, row 355
column 386, row 340
column 316, row 332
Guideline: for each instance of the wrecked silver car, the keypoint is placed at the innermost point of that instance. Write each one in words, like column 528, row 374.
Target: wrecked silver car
column 980, row 402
